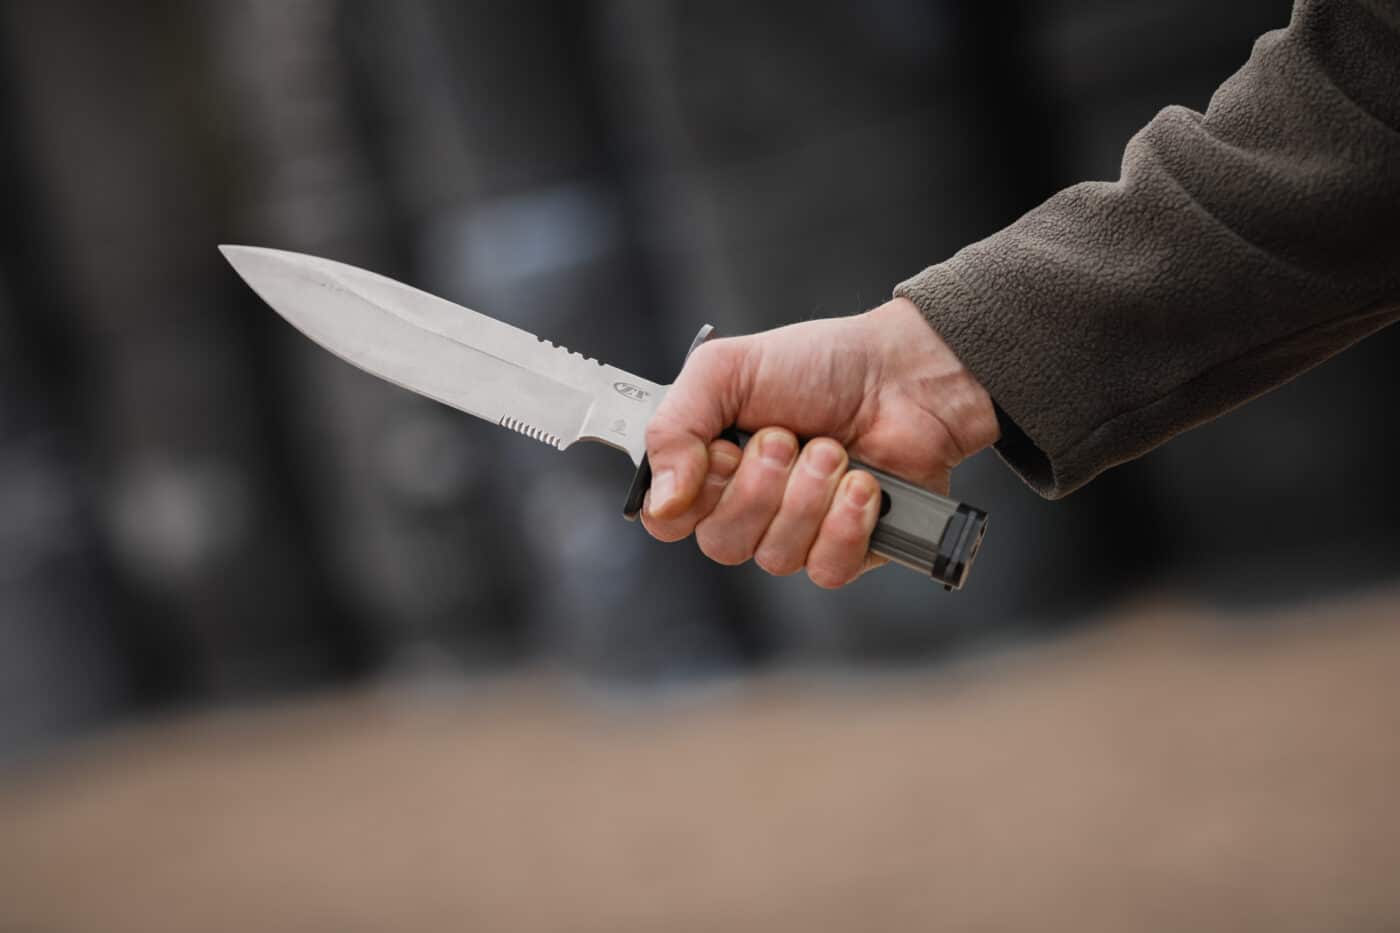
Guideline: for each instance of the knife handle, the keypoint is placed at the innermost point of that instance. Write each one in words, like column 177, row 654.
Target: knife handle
column 918, row 529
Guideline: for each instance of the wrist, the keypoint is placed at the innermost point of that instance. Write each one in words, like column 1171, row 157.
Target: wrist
column 916, row 361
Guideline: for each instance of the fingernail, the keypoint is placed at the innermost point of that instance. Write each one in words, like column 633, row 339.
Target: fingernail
column 722, row 462
column 822, row 458
column 721, row 468
column 777, row 448
column 858, row 492
column 663, row 490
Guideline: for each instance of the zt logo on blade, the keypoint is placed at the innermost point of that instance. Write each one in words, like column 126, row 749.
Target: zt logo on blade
column 628, row 390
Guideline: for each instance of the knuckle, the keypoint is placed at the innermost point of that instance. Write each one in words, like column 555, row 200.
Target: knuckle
column 716, row 354
column 721, row 548
column 827, row 577
column 846, row 533
column 707, row 355
column 668, row 532
column 807, row 499
column 753, row 485
column 776, row 562
column 660, row 430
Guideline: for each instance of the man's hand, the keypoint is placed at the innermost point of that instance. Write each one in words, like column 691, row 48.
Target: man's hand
column 882, row 385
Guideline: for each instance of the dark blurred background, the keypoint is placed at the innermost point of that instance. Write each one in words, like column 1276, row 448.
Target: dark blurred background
column 197, row 506
column 285, row 647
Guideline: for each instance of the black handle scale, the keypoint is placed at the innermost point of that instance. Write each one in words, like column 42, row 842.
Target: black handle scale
column 922, row 530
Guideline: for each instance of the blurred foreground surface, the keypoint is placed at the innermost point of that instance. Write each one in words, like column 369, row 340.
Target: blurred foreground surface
column 1176, row 771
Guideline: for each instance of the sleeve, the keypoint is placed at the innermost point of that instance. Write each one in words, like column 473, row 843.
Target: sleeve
column 1238, row 248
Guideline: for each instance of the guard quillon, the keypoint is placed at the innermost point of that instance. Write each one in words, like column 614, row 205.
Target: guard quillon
column 514, row 379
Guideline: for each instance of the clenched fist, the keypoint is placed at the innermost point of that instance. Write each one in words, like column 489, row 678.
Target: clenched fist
column 881, row 385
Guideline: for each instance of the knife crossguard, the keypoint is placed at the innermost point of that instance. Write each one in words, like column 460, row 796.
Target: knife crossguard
column 918, row 529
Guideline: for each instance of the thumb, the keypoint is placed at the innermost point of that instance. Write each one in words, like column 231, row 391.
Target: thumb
column 702, row 402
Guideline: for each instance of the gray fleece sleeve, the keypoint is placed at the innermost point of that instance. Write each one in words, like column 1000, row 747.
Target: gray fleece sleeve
column 1237, row 249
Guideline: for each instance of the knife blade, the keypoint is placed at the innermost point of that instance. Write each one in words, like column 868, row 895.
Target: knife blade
column 512, row 378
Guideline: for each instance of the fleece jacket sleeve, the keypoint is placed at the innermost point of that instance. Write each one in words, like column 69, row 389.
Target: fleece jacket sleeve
column 1238, row 248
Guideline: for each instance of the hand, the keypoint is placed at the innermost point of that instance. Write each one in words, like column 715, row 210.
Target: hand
column 882, row 385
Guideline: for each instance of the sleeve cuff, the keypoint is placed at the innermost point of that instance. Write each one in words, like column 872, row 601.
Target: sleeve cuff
column 966, row 324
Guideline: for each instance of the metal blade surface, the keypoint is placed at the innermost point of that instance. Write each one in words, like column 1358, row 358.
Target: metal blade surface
column 452, row 354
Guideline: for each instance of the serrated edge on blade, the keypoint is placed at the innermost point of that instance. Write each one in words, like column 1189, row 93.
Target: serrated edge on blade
column 532, row 432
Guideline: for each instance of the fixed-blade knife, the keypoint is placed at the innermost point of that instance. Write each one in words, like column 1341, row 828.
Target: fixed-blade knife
column 512, row 378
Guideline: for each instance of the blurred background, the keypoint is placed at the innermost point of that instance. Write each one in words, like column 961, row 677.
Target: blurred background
column 203, row 515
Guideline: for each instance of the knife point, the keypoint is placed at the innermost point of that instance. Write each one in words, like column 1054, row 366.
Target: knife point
column 231, row 251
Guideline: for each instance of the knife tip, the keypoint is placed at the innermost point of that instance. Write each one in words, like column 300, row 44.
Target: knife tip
column 241, row 257
column 245, row 259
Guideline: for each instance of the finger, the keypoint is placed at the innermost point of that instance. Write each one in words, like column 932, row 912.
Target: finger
column 838, row 555
column 873, row 561
column 703, row 401
column 811, row 486
column 723, row 461
column 732, row 531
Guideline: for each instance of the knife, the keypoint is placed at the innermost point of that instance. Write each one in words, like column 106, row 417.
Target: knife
column 512, row 378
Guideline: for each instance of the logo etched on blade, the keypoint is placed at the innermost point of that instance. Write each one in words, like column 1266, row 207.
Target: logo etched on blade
column 628, row 390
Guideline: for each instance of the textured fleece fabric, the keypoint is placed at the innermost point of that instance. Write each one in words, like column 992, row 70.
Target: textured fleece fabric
column 1237, row 249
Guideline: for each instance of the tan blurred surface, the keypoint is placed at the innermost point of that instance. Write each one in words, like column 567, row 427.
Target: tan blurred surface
column 1165, row 773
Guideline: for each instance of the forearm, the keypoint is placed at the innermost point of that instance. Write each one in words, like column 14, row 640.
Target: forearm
column 1237, row 249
